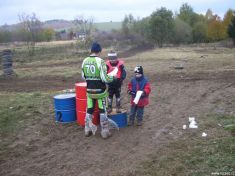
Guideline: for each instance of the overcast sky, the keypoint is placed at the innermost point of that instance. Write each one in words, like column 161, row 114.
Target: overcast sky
column 101, row 10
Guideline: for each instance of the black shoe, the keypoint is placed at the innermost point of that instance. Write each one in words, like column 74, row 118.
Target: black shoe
column 139, row 123
column 130, row 123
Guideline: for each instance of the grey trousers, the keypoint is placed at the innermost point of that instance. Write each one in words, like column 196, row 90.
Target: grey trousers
column 137, row 112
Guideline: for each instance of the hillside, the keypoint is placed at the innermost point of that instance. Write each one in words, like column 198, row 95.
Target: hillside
column 108, row 26
column 59, row 24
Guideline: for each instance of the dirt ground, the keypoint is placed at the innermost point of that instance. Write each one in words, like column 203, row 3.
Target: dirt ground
column 48, row 148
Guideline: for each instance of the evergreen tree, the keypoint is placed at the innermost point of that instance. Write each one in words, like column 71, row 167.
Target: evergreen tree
column 231, row 29
column 161, row 26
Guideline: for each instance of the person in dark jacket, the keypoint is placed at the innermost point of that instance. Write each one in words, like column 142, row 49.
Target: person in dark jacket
column 138, row 85
column 114, row 88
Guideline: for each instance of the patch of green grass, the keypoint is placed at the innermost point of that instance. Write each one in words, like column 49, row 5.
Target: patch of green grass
column 195, row 156
column 108, row 26
column 17, row 110
column 226, row 121
column 45, row 53
column 54, row 60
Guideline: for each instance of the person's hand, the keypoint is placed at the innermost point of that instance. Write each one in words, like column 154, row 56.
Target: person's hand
column 143, row 94
column 114, row 78
column 130, row 92
column 121, row 82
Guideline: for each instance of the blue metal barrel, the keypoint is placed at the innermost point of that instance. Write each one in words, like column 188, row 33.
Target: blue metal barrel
column 120, row 119
column 65, row 108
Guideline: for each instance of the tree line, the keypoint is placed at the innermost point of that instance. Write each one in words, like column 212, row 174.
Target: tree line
column 185, row 27
column 29, row 30
column 160, row 28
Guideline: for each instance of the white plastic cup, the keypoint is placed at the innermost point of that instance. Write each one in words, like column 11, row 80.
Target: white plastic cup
column 190, row 119
column 137, row 97
column 204, row 134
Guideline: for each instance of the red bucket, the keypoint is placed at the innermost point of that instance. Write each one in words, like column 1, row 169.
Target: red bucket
column 81, row 105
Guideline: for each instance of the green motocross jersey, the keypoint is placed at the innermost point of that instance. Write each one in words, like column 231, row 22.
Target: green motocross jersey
column 94, row 71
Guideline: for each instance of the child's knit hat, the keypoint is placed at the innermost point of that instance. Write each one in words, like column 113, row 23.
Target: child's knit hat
column 139, row 69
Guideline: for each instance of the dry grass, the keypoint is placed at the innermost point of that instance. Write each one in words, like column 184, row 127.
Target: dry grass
column 64, row 63
column 63, row 71
column 56, row 43
column 193, row 59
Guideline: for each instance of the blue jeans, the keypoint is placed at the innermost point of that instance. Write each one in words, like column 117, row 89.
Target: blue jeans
column 136, row 110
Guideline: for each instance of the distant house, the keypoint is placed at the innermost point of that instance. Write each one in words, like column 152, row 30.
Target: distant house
column 70, row 35
column 81, row 35
column 62, row 35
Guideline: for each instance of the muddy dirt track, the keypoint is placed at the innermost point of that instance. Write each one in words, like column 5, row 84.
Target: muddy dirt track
column 59, row 83
column 54, row 149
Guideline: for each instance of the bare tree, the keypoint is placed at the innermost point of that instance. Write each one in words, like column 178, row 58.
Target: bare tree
column 32, row 28
column 83, row 29
column 84, row 25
